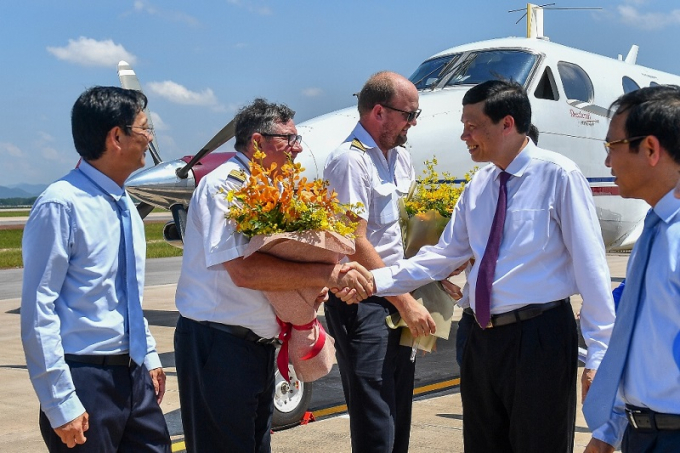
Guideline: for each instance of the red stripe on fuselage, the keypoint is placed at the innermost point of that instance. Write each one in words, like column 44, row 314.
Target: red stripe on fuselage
column 608, row 190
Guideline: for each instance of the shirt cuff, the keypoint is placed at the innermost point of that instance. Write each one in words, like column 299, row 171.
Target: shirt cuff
column 152, row 361
column 383, row 280
column 612, row 431
column 65, row 412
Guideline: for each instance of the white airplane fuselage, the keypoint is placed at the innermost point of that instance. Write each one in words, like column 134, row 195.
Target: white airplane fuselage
column 570, row 115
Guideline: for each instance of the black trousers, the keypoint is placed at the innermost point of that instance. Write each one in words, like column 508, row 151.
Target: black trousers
column 124, row 415
column 226, row 390
column 643, row 441
column 377, row 374
column 464, row 327
column 518, row 385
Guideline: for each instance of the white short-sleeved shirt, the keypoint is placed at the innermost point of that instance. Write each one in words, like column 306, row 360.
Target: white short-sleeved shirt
column 205, row 291
column 359, row 172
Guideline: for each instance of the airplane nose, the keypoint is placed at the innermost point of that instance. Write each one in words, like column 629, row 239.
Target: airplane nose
column 160, row 186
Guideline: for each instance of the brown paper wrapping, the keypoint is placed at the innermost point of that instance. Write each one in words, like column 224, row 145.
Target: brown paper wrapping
column 298, row 307
column 422, row 229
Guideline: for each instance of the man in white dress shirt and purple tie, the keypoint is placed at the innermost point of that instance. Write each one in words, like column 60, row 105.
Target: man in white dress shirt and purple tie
column 535, row 242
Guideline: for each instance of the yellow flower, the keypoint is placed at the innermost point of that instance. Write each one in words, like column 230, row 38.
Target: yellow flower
column 435, row 192
column 286, row 202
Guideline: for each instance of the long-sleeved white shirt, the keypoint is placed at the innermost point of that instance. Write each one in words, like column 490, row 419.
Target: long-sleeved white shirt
column 552, row 246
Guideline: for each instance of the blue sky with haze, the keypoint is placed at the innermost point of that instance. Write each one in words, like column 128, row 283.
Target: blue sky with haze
column 198, row 62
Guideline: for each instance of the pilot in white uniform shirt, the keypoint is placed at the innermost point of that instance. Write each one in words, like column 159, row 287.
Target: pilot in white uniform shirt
column 371, row 183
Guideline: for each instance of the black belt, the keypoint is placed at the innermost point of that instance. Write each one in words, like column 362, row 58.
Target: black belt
column 243, row 333
column 646, row 419
column 101, row 360
column 521, row 314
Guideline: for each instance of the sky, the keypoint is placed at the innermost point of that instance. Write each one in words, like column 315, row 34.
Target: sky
column 198, row 62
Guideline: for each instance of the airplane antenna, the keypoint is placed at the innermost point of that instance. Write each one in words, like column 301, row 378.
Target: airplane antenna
column 534, row 15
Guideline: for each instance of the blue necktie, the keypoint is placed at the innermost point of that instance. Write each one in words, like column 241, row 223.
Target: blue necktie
column 597, row 407
column 137, row 331
column 487, row 268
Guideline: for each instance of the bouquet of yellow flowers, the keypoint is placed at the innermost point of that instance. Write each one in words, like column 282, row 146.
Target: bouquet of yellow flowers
column 289, row 217
column 427, row 210
column 424, row 215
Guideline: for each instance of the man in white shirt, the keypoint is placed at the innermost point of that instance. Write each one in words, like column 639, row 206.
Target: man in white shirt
column 226, row 333
column 519, row 367
column 371, row 167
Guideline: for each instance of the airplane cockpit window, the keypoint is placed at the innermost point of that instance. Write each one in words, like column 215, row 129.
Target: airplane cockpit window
column 431, row 70
column 629, row 84
column 546, row 88
column 477, row 67
column 654, row 84
column 577, row 84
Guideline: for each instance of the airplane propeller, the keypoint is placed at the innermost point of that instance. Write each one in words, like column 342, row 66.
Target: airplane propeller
column 129, row 80
column 223, row 136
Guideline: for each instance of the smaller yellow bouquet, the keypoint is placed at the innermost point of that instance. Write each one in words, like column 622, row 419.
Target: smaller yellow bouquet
column 427, row 210
column 424, row 215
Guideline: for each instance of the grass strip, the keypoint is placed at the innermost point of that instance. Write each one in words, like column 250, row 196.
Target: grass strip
column 10, row 245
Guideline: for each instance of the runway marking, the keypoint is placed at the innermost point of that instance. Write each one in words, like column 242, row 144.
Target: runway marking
column 437, row 386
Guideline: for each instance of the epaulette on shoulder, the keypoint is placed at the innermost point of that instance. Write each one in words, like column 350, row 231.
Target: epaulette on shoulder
column 356, row 144
column 238, row 175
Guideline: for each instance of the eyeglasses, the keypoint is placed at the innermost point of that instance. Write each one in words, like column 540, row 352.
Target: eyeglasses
column 409, row 116
column 148, row 131
column 293, row 139
column 623, row 141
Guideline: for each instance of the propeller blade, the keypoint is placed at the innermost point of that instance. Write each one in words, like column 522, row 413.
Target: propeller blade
column 179, row 215
column 218, row 140
column 144, row 209
column 129, row 80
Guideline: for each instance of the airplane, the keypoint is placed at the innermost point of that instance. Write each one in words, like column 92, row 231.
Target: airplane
column 570, row 91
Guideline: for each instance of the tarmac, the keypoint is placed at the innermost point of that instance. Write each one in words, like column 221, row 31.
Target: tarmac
column 437, row 417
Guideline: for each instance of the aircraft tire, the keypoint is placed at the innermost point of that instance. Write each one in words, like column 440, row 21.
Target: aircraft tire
column 291, row 400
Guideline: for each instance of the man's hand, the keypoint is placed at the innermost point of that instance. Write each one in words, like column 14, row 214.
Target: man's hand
column 352, row 282
column 322, row 297
column 586, row 381
column 452, row 289
column 598, row 446
column 72, row 433
column 158, row 379
column 417, row 318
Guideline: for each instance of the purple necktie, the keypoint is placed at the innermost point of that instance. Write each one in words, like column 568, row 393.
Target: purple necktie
column 487, row 268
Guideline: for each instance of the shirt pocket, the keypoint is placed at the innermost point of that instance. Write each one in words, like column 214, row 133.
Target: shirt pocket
column 526, row 231
column 384, row 207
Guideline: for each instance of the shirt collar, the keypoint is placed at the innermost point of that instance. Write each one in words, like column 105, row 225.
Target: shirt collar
column 105, row 183
column 363, row 136
column 668, row 207
column 520, row 163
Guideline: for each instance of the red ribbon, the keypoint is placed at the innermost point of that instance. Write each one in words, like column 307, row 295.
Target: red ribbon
column 284, row 336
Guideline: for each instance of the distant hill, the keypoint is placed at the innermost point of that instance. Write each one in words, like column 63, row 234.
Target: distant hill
column 33, row 190
column 6, row 192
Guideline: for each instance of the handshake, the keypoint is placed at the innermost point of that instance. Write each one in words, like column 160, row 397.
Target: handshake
column 351, row 282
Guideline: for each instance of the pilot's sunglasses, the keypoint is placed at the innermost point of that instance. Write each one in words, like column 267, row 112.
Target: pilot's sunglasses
column 409, row 116
column 293, row 139
column 623, row 141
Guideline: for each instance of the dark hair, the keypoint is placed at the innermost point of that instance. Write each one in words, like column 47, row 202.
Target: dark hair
column 259, row 116
column 97, row 111
column 502, row 98
column 379, row 89
column 652, row 111
column 533, row 134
